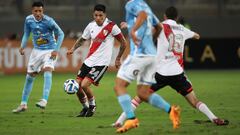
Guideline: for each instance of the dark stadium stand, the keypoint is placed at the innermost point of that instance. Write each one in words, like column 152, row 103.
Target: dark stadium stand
column 209, row 18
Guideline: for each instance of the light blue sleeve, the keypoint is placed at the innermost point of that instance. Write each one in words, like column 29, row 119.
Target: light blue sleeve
column 155, row 20
column 25, row 35
column 60, row 35
column 134, row 8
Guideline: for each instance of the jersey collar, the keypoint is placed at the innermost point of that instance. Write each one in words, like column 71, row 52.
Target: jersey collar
column 170, row 21
column 37, row 20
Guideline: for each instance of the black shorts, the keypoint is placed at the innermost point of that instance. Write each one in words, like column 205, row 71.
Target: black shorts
column 178, row 82
column 94, row 74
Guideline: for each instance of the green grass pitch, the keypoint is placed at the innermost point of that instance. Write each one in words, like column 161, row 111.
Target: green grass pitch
column 219, row 89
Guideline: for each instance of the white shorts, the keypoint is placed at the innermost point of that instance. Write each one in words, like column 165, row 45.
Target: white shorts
column 40, row 59
column 140, row 68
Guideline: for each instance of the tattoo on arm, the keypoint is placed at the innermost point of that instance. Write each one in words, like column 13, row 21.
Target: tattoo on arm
column 79, row 43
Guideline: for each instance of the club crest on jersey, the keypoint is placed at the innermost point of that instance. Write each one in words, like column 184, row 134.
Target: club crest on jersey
column 105, row 32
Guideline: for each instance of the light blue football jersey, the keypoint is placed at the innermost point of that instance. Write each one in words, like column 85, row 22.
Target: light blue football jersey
column 43, row 33
column 144, row 33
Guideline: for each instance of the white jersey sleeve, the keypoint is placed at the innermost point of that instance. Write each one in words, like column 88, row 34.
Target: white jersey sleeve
column 115, row 30
column 87, row 33
column 187, row 33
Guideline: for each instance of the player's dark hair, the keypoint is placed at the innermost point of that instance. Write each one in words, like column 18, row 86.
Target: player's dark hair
column 171, row 13
column 100, row 7
column 37, row 4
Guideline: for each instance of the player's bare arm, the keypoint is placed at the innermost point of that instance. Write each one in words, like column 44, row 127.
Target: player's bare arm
column 77, row 44
column 123, row 44
column 123, row 25
column 196, row 36
column 156, row 31
column 142, row 16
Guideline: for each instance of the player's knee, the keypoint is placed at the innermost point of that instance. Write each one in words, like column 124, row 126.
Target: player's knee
column 143, row 95
column 47, row 69
column 34, row 74
column 84, row 86
column 117, row 90
column 79, row 82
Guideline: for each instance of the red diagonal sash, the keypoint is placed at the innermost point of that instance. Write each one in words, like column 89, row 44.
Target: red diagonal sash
column 100, row 38
column 168, row 31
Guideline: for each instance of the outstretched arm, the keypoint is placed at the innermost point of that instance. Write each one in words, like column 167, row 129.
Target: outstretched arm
column 196, row 36
column 77, row 44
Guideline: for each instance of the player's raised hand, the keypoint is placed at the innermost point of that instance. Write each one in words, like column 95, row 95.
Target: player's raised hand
column 123, row 25
column 70, row 51
column 54, row 55
column 21, row 51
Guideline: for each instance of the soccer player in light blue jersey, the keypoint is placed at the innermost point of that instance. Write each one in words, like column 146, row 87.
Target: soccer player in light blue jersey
column 44, row 54
column 140, row 64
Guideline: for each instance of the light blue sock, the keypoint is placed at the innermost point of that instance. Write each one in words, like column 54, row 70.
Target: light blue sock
column 47, row 84
column 125, row 102
column 27, row 88
column 157, row 101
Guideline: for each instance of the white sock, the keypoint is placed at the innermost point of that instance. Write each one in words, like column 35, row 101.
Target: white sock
column 204, row 109
column 123, row 117
column 85, row 105
column 92, row 101
column 84, row 102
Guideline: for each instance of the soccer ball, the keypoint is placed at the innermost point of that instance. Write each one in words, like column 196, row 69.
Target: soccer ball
column 70, row 86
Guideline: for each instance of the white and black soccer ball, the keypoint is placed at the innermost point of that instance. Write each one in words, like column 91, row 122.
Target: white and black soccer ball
column 70, row 86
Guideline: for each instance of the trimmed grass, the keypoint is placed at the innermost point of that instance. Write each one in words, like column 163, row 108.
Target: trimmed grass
column 219, row 89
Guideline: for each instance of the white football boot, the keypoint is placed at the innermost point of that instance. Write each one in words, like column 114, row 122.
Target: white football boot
column 42, row 103
column 20, row 108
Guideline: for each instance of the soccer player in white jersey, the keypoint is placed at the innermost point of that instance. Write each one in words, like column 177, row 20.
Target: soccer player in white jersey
column 102, row 33
column 170, row 66
column 44, row 53
column 139, row 65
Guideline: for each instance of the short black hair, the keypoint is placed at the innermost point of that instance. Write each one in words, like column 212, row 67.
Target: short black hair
column 37, row 4
column 171, row 13
column 100, row 7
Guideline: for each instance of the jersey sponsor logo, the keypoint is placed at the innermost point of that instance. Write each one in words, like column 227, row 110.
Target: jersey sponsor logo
column 41, row 41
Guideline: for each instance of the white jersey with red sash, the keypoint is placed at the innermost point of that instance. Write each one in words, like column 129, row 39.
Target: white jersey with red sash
column 170, row 48
column 102, row 42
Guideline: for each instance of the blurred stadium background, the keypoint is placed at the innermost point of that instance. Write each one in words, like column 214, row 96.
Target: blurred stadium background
column 217, row 21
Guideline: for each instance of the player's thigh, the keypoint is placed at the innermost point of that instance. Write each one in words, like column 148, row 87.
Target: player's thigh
column 181, row 84
column 96, row 74
column 132, row 67
column 83, row 71
column 48, row 62
column 147, row 71
column 128, row 70
column 161, row 81
column 35, row 61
